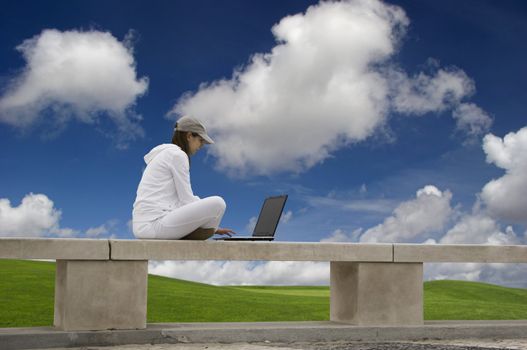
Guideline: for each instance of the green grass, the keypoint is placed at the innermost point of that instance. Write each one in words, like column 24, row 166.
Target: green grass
column 26, row 293
column 27, row 289
column 172, row 300
column 460, row 300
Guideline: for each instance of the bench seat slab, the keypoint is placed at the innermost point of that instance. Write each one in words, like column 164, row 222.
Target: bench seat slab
column 267, row 251
column 100, row 295
column 475, row 253
column 367, row 293
column 54, row 248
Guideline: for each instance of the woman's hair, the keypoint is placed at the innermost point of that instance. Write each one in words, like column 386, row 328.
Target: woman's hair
column 180, row 138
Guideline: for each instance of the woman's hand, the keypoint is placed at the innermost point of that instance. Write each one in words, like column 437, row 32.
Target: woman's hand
column 225, row 231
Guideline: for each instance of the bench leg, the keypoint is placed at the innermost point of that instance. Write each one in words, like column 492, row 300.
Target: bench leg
column 376, row 293
column 100, row 295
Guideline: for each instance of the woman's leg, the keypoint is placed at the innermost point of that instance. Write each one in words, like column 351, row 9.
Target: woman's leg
column 200, row 234
column 205, row 213
column 143, row 230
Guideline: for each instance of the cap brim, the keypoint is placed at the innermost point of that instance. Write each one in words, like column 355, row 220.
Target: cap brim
column 207, row 138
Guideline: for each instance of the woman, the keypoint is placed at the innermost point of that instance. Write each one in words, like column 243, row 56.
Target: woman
column 165, row 207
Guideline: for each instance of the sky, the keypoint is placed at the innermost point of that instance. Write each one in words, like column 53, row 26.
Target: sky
column 394, row 121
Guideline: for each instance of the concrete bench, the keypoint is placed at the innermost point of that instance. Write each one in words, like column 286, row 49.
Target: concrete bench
column 102, row 284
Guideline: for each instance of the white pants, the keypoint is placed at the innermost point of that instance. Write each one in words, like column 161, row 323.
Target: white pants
column 204, row 213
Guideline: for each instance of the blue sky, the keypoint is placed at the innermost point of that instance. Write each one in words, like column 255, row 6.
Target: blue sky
column 353, row 124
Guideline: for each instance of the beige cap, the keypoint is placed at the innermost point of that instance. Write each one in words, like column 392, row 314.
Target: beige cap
column 190, row 124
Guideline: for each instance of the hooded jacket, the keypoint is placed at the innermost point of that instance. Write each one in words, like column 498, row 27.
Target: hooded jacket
column 165, row 184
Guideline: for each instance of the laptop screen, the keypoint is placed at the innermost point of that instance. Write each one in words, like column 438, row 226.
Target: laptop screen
column 269, row 216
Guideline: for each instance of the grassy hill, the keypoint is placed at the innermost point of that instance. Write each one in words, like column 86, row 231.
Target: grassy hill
column 27, row 289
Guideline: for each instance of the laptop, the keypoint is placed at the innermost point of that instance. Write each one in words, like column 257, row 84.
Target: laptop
column 267, row 221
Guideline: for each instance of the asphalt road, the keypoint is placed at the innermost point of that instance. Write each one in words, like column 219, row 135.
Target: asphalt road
column 461, row 344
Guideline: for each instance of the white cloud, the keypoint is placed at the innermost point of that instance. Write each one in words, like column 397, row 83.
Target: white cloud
column 472, row 119
column 35, row 216
column 506, row 197
column 382, row 206
column 363, row 189
column 97, row 231
column 424, row 93
column 340, row 235
column 453, row 271
column 251, row 224
column 244, row 272
column 429, row 190
column 103, row 230
column 328, row 83
column 512, row 275
column 479, row 229
column 286, row 217
column 414, row 219
column 75, row 75
column 317, row 273
column 63, row 232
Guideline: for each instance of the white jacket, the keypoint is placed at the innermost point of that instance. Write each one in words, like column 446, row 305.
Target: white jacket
column 165, row 184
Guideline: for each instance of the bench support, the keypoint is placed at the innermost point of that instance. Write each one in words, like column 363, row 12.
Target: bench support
column 376, row 293
column 100, row 295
